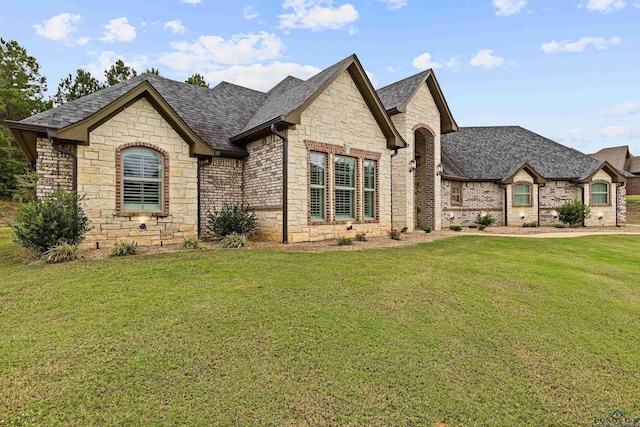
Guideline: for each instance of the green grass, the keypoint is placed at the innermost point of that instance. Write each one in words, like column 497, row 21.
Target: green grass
column 7, row 211
column 468, row 331
column 633, row 209
column 633, row 198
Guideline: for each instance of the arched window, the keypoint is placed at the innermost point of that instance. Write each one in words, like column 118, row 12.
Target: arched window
column 599, row 193
column 142, row 180
column 522, row 195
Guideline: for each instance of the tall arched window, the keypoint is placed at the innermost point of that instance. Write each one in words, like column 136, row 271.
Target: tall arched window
column 142, row 180
column 599, row 193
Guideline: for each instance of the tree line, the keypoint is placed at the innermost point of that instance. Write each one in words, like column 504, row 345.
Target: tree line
column 23, row 93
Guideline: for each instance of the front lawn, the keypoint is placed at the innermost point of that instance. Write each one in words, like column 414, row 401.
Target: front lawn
column 466, row 331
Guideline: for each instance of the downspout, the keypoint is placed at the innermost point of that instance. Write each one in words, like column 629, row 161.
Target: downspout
column 395, row 153
column 74, row 158
column 539, row 187
column 582, row 197
column 202, row 163
column 506, row 196
column 285, row 181
column 617, row 206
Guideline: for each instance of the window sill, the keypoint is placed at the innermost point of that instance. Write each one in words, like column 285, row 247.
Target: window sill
column 152, row 214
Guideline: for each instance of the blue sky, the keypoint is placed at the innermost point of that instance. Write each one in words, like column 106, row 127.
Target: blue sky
column 565, row 69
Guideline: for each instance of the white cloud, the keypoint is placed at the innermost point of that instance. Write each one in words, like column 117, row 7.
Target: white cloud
column 395, row 4
column 486, row 59
column 372, row 78
column 508, row 7
column 425, row 61
column 250, row 12
column 317, row 15
column 175, row 26
column 82, row 41
column 587, row 139
column 599, row 43
column 623, row 109
column 106, row 59
column 605, row 6
column 261, row 77
column 119, row 30
column 352, row 30
column 192, row 1
column 209, row 52
column 60, row 28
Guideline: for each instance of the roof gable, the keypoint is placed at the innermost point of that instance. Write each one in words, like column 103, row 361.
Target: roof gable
column 616, row 156
column 396, row 96
column 615, row 174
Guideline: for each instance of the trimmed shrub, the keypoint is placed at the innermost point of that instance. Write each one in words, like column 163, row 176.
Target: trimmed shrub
column 394, row 234
column 573, row 212
column 485, row 220
column 342, row 241
column 43, row 224
column 473, row 226
column 481, row 227
column 455, row 228
column 232, row 218
column 361, row 237
column 122, row 248
column 234, row 240
column 404, row 230
column 62, row 252
column 191, row 243
column 427, row 229
column 530, row 224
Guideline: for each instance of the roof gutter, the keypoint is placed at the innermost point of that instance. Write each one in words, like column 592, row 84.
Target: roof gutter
column 263, row 127
column 285, row 181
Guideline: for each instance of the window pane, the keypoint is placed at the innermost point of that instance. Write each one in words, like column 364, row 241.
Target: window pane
column 317, row 203
column 455, row 194
column 521, row 199
column 369, row 174
column 521, row 189
column 141, row 164
column 317, row 168
column 345, row 175
column 344, row 203
column 142, row 184
column 599, row 199
column 599, row 187
column 369, row 204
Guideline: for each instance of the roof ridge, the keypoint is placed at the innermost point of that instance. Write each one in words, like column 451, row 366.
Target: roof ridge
column 406, row 78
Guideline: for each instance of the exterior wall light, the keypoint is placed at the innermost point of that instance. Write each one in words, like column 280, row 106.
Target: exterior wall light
column 143, row 226
column 439, row 171
column 412, row 165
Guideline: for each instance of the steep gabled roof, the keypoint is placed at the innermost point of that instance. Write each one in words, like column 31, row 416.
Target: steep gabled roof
column 396, row 96
column 633, row 165
column 494, row 153
column 616, row 156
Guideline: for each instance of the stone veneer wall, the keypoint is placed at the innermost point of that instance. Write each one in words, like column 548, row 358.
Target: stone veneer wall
column 608, row 212
column 338, row 121
column 139, row 123
column 55, row 169
column 421, row 112
column 515, row 214
column 477, row 197
column 220, row 183
column 554, row 194
column 263, row 185
column 622, row 205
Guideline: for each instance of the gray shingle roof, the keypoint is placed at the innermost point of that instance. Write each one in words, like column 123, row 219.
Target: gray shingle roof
column 398, row 93
column 214, row 114
column 291, row 95
column 493, row 152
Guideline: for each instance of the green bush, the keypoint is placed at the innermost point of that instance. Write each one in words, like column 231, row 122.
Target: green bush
column 404, row 229
column 122, row 248
column 427, row 229
column 530, row 224
column 361, row 237
column 191, row 243
column 232, row 218
column 394, row 234
column 343, row 241
column 485, row 220
column 61, row 253
column 473, row 226
column 455, row 228
column 481, row 227
column 234, row 240
column 58, row 218
column 573, row 212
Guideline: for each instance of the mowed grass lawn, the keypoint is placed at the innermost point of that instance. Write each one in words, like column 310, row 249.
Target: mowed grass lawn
column 465, row 331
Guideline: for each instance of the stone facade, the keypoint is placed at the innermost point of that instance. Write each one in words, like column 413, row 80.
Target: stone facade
column 622, row 205
column 55, row 169
column 420, row 128
column 338, row 122
column 554, row 194
column 477, row 198
column 220, row 183
column 98, row 178
column 601, row 215
column 518, row 215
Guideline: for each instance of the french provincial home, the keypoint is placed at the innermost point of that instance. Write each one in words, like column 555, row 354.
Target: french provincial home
column 316, row 159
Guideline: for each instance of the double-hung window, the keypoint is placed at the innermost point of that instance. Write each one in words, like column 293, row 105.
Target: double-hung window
column 522, row 195
column 599, row 193
column 456, row 195
column 318, row 181
column 345, row 187
column 369, row 189
column 142, row 180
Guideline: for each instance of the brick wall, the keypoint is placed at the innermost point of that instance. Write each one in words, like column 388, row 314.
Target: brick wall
column 424, row 179
column 554, row 194
column 141, row 124
column 477, row 197
column 55, row 169
column 220, row 183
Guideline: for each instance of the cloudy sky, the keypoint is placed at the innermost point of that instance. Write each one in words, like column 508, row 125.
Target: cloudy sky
column 567, row 69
